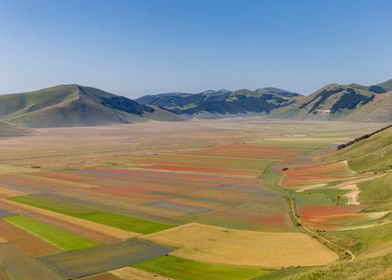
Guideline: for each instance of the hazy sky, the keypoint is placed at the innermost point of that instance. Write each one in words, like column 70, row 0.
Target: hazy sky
column 134, row 48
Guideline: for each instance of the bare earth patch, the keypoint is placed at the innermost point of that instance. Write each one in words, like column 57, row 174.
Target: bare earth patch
column 353, row 195
column 247, row 248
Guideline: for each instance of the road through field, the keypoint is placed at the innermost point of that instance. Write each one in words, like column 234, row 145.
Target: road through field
column 275, row 187
column 297, row 220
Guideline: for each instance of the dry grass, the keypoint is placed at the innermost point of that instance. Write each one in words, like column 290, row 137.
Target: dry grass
column 248, row 248
column 378, row 251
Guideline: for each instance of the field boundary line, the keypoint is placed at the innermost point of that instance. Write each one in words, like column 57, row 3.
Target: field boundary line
column 96, row 227
column 189, row 172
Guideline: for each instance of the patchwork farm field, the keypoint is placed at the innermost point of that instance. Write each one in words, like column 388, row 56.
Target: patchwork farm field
column 210, row 196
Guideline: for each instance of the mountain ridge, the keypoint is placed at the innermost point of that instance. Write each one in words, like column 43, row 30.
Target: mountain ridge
column 74, row 105
column 222, row 102
column 351, row 102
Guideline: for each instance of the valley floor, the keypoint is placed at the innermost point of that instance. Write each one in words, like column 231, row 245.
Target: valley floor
column 239, row 198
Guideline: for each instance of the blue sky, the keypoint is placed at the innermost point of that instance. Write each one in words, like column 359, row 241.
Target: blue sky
column 134, row 48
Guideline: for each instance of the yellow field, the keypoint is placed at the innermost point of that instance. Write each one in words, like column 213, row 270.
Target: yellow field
column 247, row 248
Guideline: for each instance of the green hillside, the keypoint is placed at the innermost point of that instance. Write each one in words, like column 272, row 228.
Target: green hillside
column 371, row 154
column 330, row 102
column 342, row 102
column 74, row 105
column 366, row 269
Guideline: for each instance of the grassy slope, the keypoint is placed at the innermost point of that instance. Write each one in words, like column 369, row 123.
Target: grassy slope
column 71, row 113
column 323, row 99
column 377, row 109
column 360, row 241
column 368, row 155
column 68, row 105
column 128, row 223
column 63, row 239
column 374, row 268
column 190, row 270
column 372, row 154
column 377, row 192
column 20, row 103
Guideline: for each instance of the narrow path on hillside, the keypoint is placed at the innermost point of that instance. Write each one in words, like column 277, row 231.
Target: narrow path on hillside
column 273, row 185
column 312, row 233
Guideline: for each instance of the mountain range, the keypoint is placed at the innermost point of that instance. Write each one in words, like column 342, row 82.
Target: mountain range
column 333, row 102
column 75, row 105
column 215, row 103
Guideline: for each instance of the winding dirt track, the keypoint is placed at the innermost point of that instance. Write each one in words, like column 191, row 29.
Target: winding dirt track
column 296, row 220
column 312, row 233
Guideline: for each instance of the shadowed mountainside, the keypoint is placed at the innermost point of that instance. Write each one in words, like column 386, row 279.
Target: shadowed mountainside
column 213, row 103
column 74, row 105
column 352, row 102
column 343, row 102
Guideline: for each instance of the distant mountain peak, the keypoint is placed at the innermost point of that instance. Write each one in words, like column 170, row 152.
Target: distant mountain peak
column 278, row 91
column 215, row 92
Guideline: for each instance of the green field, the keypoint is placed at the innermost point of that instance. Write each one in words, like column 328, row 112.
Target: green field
column 63, row 239
column 102, row 217
column 190, row 270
